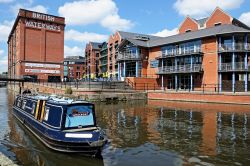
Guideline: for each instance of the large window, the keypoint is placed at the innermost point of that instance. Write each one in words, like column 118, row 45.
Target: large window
column 79, row 116
column 154, row 63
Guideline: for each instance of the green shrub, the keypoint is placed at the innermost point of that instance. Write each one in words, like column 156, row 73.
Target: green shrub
column 68, row 90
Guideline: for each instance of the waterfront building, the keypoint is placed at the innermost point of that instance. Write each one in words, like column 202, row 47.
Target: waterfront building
column 103, row 60
column 36, row 46
column 116, row 61
column 108, row 51
column 74, row 67
column 211, row 52
column 92, row 53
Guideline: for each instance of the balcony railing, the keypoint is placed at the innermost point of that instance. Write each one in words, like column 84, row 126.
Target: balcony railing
column 103, row 63
column 181, row 52
column 180, row 69
column 237, row 47
column 126, row 56
column 239, row 66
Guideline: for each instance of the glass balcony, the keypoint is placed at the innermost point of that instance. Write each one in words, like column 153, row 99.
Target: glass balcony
column 181, row 52
column 128, row 56
column 239, row 47
column 228, row 67
column 180, row 69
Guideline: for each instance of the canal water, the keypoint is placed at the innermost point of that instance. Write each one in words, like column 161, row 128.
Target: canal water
column 143, row 133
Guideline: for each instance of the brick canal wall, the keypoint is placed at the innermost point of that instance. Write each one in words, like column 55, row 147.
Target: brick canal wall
column 225, row 98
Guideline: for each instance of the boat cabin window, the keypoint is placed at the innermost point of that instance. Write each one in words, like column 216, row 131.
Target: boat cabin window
column 79, row 116
column 23, row 105
column 33, row 108
column 18, row 102
column 46, row 114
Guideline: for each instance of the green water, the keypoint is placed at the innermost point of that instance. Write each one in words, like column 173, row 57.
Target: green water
column 143, row 133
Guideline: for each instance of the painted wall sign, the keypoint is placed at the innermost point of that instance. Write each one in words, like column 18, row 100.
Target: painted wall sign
column 43, row 16
column 42, row 71
column 42, row 65
column 39, row 25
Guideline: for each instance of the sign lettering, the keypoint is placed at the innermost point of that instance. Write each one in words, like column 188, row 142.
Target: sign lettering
column 42, row 65
column 39, row 25
column 43, row 17
column 42, row 71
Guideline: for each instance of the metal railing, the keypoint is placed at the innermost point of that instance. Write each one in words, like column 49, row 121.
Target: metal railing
column 239, row 66
column 87, row 85
column 127, row 56
column 239, row 86
column 237, row 47
column 180, row 69
column 182, row 52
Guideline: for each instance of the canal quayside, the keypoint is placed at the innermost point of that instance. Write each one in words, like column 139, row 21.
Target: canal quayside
column 61, row 124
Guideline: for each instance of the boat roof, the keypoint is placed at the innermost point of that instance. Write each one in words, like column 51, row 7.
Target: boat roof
column 57, row 99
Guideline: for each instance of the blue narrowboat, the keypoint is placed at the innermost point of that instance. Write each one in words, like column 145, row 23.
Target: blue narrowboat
column 61, row 124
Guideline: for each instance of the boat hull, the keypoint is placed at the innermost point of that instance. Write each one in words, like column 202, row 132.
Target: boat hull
column 86, row 148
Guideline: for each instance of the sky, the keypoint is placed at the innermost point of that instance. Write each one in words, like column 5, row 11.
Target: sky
column 96, row 20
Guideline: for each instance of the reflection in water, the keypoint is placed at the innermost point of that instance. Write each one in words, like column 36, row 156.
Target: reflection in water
column 146, row 133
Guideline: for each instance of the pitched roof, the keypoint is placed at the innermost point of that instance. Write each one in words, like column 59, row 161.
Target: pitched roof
column 201, row 21
column 75, row 58
column 207, row 32
column 125, row 35
column 96, row 45
column 217, row 30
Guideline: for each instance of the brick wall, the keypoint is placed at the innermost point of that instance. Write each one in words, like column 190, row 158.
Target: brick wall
column 218, row 16
column 209, row 98
column 210, row 61
column 112, row 39
column 153, row 53
column 35, row 43
column 188, row 24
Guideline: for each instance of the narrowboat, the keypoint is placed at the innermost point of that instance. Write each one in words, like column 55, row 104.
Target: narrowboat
column 61, row 124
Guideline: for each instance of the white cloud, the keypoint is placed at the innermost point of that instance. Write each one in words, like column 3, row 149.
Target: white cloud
column 204, row 7
column 6, row 1
column 166, row 32
column 37, row 8
column 84, row 37
column 5, row 29
column 245, row 18
column 3, row 62
column 73, row 51
column 87, row 12
column 1, row 52
column 114, row 22
column 94, row 11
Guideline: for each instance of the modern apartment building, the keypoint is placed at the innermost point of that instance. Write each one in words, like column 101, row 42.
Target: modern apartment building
column 36, row 46
column 211, row 52
column 74, row 68
column 103, row 60
column 92, row 53
column 108, row 51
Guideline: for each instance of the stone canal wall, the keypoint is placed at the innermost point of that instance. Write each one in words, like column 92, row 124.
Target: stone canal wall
column 224, row 98
column 118, row 94
column 5, row 161
column 90, row 94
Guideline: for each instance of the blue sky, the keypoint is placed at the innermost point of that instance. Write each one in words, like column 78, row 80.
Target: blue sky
column 95, row 20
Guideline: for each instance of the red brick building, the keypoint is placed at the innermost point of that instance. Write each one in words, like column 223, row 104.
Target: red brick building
column 74, row 68
column 212, row 52
column 92, row 53
column 36, row 46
